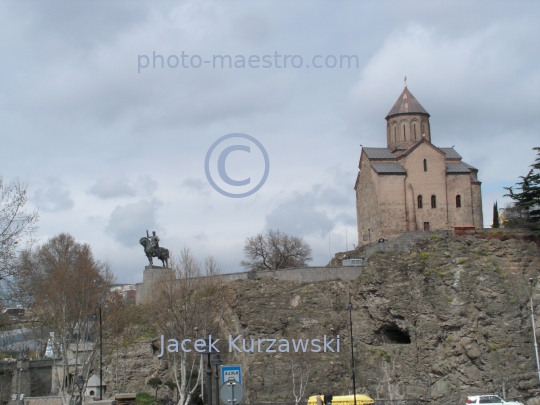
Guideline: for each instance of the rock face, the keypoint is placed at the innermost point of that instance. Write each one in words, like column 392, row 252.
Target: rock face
column 448, row 319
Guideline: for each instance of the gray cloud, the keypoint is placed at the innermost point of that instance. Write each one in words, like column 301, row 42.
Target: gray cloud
column 129, row 222
column 197, row 185
column 475, row 69
column 121, row 186
column 111, row 187
column 297, row 216
column 147, row 185
column 53, row 197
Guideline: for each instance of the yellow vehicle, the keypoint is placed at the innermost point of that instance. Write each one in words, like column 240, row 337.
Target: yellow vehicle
column 361, row 399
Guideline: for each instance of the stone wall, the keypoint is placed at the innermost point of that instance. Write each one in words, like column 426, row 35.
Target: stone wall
column 402, row 243
column 151, row 276
column 388, row 204
column 453, row 308
column 427, row 184
column 415, row 125
column 367, row 203
column 478, row 216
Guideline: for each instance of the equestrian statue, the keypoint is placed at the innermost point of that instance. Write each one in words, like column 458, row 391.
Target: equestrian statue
column 152, row 249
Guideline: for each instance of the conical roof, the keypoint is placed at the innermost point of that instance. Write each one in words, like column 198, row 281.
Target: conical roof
column 407, row 104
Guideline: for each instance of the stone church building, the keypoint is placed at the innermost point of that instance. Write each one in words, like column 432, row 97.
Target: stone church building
column 412, row 185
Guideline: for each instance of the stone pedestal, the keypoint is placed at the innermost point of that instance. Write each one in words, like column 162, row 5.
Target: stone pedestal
column 152, row 277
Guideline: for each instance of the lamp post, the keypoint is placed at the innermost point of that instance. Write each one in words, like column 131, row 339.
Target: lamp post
column 350, row 308
column 216, row 361
column 208, row 351
column 534, row 332
column 196, row 329
column 100, row 352
column 80, row 384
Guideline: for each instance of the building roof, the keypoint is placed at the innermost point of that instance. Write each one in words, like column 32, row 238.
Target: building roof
column 458, row 167
column 378, row 153
column 93, row 381
column 388, row 168
column 407, row 104
column 470, row 167
column 451, row 153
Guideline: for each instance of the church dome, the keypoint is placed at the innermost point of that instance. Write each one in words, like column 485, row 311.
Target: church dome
column 406, row 104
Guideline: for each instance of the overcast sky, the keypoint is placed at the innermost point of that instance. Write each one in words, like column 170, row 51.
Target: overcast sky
column 110, row 148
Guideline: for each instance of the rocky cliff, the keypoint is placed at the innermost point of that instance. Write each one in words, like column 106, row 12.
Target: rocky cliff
column 448, row 319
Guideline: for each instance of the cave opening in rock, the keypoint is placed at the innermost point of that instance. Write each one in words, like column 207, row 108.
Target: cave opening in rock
column 395, row 335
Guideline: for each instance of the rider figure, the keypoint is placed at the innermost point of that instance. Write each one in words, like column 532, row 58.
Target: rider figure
column 154, row 242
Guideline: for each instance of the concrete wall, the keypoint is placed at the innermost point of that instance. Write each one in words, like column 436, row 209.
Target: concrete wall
column 31, row 378
column 52, row 400
column 6, row 371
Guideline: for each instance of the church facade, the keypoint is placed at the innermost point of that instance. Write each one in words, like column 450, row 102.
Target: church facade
column 412, row 185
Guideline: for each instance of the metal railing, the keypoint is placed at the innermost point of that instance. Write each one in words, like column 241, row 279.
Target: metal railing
column 352, row 262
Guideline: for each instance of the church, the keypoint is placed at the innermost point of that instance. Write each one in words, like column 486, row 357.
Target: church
column 412, row 185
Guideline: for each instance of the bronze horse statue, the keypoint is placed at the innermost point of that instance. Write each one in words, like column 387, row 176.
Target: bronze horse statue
column 159, row 252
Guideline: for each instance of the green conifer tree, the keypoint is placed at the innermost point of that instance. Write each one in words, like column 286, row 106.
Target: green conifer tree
column 529, row 197
column 495, row 216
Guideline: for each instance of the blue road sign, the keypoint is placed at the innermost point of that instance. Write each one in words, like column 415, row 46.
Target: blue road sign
column 234, row 371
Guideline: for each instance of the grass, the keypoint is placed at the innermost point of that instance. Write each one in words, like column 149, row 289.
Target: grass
column 143, row 398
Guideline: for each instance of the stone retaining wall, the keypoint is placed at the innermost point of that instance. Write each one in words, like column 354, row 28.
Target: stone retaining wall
column 402, row 243
column 50, row 400
column 303, row 275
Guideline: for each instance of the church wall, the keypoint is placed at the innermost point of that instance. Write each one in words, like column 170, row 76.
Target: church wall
column 478, row 216
column 426, row 184
column 391, row 206
column 460, row 184
column 367, row 204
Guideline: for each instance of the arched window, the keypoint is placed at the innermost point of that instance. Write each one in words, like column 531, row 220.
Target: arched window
column 423, row 132
column 458, row 201
column 425, row 165
column 433, row 201
column 92, row 392
column 395, row 134
column 404, row 137
column 415, row 132
column 419, row 201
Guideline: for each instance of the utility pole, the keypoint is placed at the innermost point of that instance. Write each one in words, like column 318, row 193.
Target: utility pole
column 350, row 308
column 534, row 332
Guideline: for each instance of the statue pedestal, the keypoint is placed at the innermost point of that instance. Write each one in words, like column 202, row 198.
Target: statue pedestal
column 153, row 276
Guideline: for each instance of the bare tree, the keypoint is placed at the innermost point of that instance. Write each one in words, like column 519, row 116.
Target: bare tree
column 62, row 283
column 275, row 250
column 390, row 388
column 192, row 300
column 514, row 216
column 16, row 224
column 300, row 372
